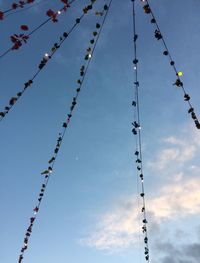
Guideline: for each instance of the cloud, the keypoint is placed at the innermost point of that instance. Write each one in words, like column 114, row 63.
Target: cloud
column 176, row 152
column 174, row 140
column 173, row 253
column 177, row 198
column 119, row 228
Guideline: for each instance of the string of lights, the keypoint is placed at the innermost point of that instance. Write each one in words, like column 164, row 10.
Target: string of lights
column 36, row 4
column 136, row 130
column 45, row 59
column 14, row 6
column 48, row 172
column 178, row 82
column 22, row 38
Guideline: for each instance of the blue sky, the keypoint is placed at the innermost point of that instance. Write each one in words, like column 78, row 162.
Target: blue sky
column 90, row 210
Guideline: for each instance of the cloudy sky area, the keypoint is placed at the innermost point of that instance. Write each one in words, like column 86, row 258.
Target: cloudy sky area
column 91, row 211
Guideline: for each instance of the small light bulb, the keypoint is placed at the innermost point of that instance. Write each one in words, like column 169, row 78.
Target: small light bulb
column 46, row 55
column 135, row 67
column 89, row 55
column 59, row 12
column 180, row 73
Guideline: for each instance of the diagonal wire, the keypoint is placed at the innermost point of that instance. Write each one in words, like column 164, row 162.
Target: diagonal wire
column 22, row 7
column 179, row 83
column 26, row 8
column 52, row 161
column 41, row 66
column 33, row 31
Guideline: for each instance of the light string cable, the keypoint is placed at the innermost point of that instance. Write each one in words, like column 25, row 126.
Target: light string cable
column 136, row 130
column 35, row 4
column 14, row 6
column 135, row 36
column 166, row 52
column 48, row 172
column 19, row 39
column 45, row 59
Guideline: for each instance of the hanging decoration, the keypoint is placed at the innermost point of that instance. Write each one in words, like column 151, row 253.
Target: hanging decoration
column 19, row 39
column 49, row 170
column 45, row 59
column 36, row 3
column 178, row 82
column 14, row 6
column 136, row 130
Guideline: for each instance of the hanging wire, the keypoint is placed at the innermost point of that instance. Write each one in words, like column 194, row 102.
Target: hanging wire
column 26, row 8
column 178, row 82
column 19, row 39
column 47, row 56
column 136, row 137
column 136, row 130
column 20, row 4
column 47, row 172
column 37, row 3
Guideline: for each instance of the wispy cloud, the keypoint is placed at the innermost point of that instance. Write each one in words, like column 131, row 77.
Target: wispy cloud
column 118, row 229
column 177, row 198
column 176, row 152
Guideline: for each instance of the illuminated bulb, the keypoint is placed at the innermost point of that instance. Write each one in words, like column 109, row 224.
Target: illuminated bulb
column 59, row 12
column 89, row 55
column 180, row 73
column 46, row 55
column 135, row 67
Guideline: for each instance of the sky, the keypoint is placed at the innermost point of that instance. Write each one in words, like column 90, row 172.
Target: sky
column 90, row 212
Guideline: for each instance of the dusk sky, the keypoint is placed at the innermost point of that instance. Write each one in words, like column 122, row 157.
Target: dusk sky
column 91, row 209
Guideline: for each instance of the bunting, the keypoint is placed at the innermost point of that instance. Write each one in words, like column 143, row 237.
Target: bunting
column 36, row 3
column 178, row 82
column 14, row 6
column 49, row 170
column 45, row 59
column 136, row 130
column 17, row 40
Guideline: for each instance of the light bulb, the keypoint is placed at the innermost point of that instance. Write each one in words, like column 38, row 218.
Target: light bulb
column 180, row 73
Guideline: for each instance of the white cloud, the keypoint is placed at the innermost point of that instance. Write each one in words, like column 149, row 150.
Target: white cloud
column 119, row 228
column 176, row 153
column 178, row 199
column 173, row 140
